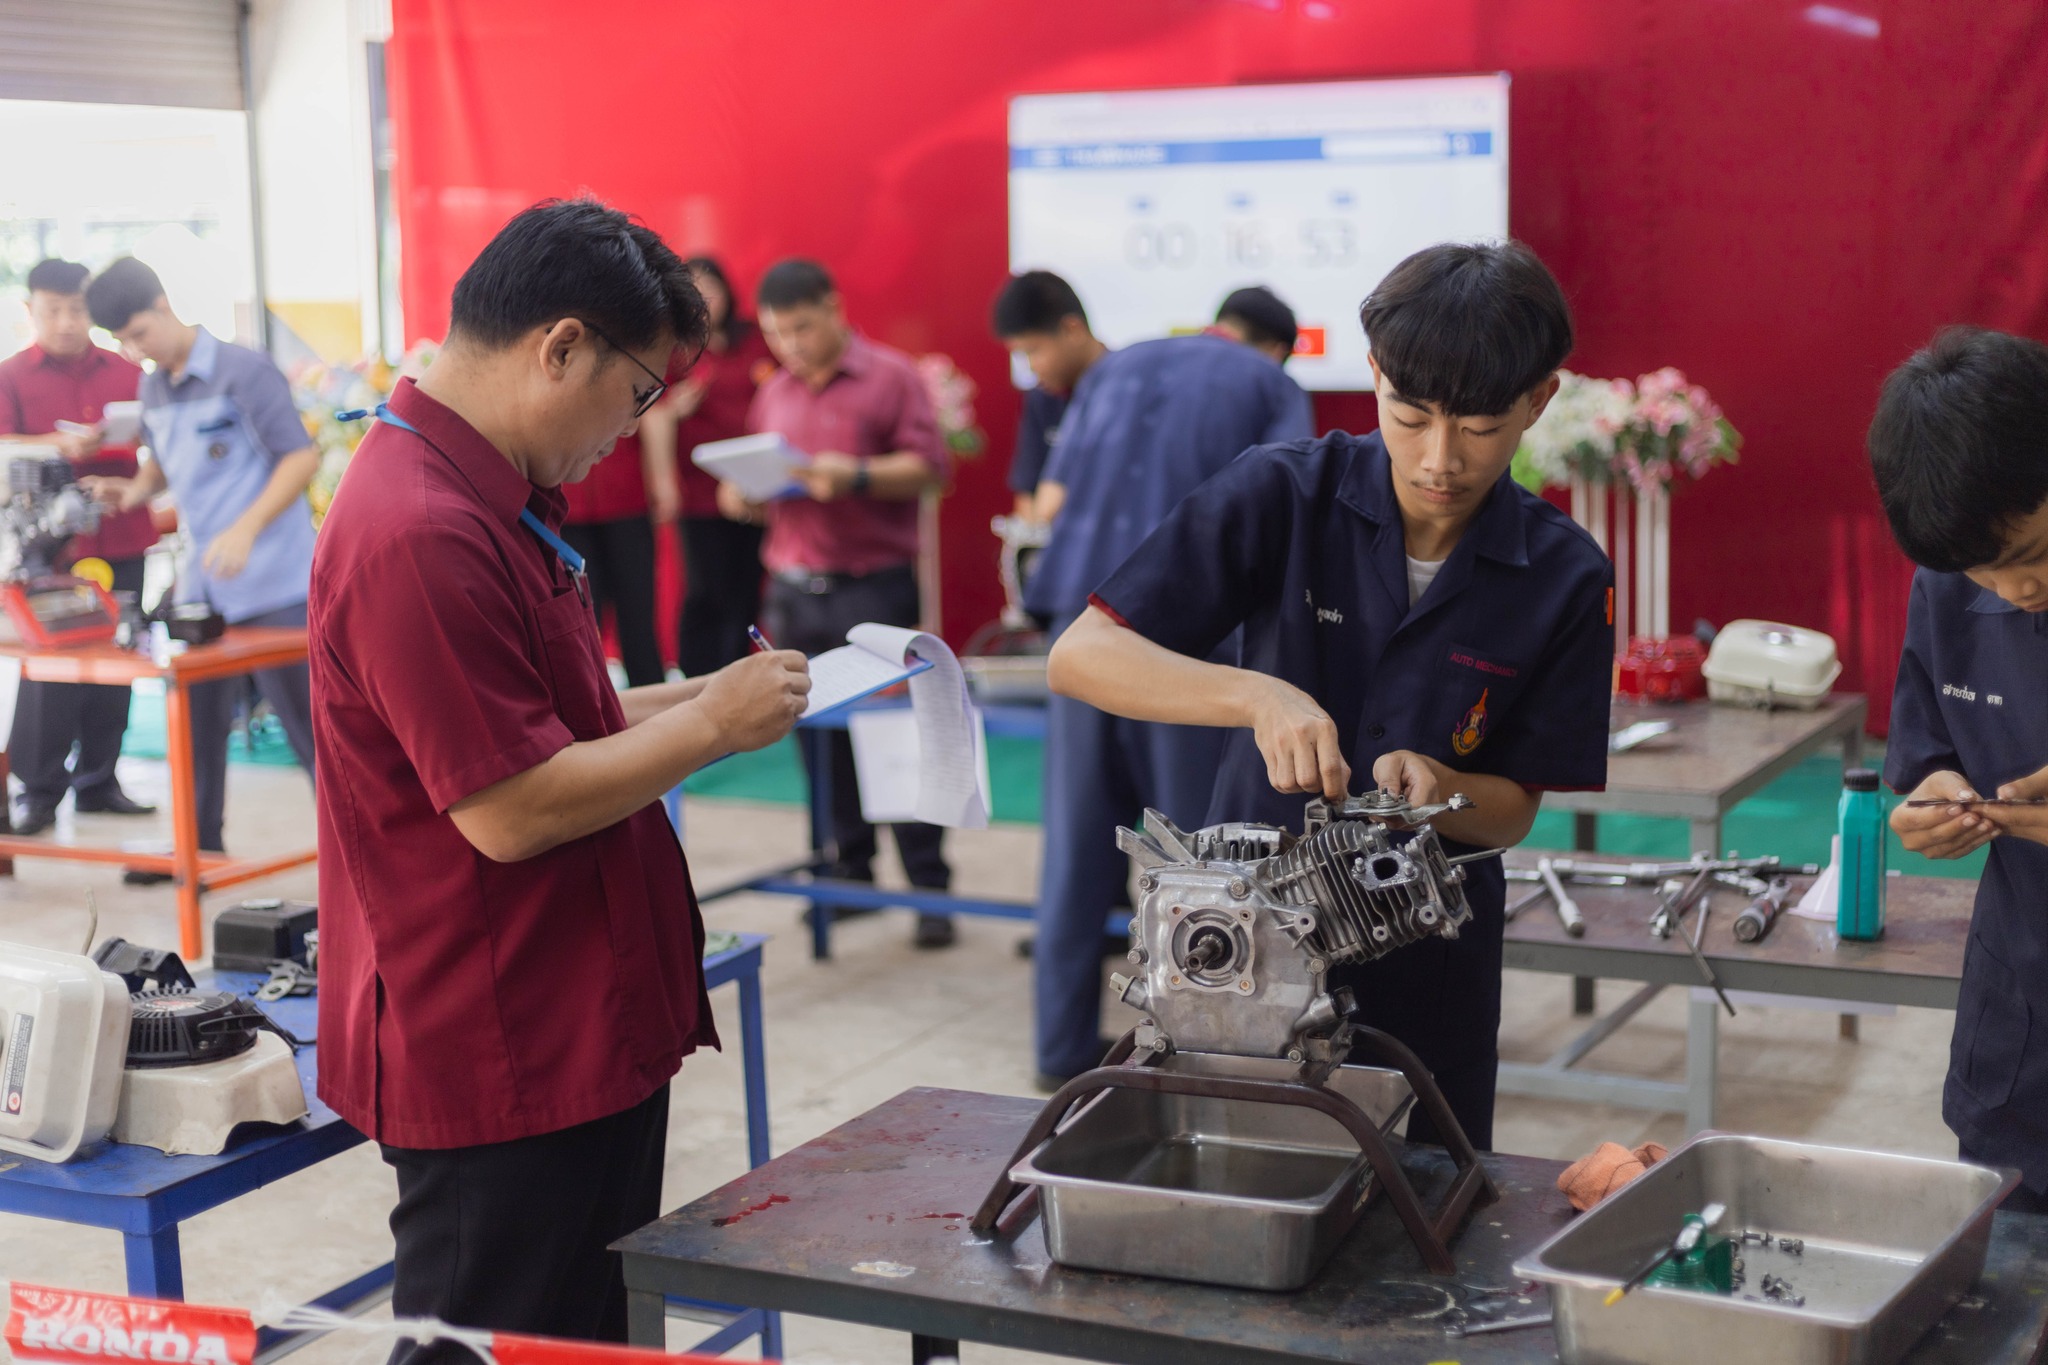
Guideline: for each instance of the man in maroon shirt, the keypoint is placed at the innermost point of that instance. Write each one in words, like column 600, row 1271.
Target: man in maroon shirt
column 64, row 378
column 511, row 954
column 846, row 550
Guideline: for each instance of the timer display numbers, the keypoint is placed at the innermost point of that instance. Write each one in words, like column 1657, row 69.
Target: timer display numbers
column 1156, row 204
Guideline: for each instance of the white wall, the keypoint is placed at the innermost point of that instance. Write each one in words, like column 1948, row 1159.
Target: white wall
column 311, row 110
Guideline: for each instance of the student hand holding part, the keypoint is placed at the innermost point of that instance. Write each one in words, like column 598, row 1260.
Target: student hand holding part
column 1948, row 831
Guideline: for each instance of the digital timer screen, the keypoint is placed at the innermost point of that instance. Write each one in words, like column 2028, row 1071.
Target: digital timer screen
column 1155, row 204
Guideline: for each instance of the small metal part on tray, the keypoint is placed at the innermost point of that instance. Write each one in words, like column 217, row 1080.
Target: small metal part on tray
column 1473, row 1329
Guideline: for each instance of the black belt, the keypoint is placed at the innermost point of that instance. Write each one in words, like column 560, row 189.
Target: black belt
column 816, row 583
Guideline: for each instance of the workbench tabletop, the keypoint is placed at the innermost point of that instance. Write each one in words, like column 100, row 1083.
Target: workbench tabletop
column 1926, row 921
column 1715, row 750
column 868, row 1223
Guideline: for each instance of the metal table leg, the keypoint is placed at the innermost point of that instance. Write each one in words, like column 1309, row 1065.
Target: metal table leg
column 1585, row 838
column 754, row 1058
column 155, row 1269
column 184, row 816
column 1702, row 1052
column 646, row 1320
column 925, row 1350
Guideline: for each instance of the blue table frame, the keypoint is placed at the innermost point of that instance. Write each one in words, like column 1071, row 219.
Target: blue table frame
column 144, row 1194
column 802, row 878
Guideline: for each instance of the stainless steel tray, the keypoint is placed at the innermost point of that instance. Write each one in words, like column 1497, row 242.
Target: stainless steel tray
column 1216, row 1191
column 996, row 678
column 1891, row 1242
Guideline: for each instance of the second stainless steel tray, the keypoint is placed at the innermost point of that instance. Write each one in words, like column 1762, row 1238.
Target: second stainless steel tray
column 1890, row 1242
column 1217, row 1191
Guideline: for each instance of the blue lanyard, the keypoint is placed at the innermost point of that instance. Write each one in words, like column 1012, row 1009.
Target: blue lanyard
column 566, row 552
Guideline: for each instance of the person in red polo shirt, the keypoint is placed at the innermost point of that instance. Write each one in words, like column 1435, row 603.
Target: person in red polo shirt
column 721, row 558
column 846, row 551
column 511, row 954
column 64, row 378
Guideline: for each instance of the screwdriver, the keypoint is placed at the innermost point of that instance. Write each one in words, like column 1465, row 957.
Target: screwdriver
column 1760, row 914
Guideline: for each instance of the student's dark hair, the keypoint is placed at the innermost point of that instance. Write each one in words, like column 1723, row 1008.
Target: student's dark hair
column 1959, row 446
column 119, row 292
column 1266, row 320
column 735, row 325
column 577, row 258
column 1467, row 328
column 793, row 283
column 1034, row 301
column 57, row 277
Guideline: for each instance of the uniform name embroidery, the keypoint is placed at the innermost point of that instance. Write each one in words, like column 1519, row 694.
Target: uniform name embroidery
column 1325, row 615
column 1963, row 693
column 1485, row 665
column 1471, row 729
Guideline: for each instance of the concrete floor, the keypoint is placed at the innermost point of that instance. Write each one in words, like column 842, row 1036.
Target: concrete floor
column 879, row 1018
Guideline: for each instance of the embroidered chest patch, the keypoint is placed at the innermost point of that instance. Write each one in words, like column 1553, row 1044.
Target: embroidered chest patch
column 1471, row 729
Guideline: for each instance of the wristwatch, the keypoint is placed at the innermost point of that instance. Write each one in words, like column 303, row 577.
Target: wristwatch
column 862, row 477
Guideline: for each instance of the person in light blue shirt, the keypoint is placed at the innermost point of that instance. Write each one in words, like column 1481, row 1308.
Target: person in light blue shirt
column 225, row 438
column 1147, row 426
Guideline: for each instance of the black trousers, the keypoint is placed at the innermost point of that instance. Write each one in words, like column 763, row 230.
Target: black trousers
column 51, row 718
column 721, row 592
column 213, row 723
column 511, row 1236
column 619, row 557
column 813, row 623
column 1442, row 998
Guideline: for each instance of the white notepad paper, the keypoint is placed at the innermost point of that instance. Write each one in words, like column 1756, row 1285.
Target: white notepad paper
column 759, row 466
column 950, row 788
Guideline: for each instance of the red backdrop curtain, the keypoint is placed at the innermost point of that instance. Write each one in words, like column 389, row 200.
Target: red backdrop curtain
column 1781, row 198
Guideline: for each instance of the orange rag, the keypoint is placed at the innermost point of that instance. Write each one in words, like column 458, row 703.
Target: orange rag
column 1591, row 1179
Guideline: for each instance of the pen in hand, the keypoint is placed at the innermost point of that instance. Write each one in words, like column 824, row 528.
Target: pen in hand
column 760, row 640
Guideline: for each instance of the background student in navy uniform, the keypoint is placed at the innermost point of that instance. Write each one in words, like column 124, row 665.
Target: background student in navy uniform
column 227, row 440
column 1147, row 426
column 64, row 377
column 1485, row 671
column 1257, row 317
column 1960, row 450
column 1039, row 316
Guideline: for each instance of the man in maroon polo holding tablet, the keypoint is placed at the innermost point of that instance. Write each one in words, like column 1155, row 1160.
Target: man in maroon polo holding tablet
column 511, row 954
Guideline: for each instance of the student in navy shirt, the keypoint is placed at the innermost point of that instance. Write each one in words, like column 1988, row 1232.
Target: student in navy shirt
column 1410, row 618
column 1257, row 317
column 1039, row 316
column 1147, row 426
column 1957, row 450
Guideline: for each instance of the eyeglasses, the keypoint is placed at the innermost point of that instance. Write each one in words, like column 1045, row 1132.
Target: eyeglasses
column 641, row 403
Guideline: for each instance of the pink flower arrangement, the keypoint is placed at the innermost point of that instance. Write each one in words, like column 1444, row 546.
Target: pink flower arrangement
column 952, row 395
column 1654, row 432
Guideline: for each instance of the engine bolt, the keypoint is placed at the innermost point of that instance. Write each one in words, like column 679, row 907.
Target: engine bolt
column 1147, row 881
column 1240, row 888
column 1294, row 1054
column 1135, row 957
column 1175, row 980
column 1245, row 984
column 1316, row 966
column 1159, row 1045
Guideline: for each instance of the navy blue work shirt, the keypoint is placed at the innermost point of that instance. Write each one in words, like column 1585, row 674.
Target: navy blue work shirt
column 1037, row 433
column 1969, row 700
column 1504, row 666
column 1147, row 426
